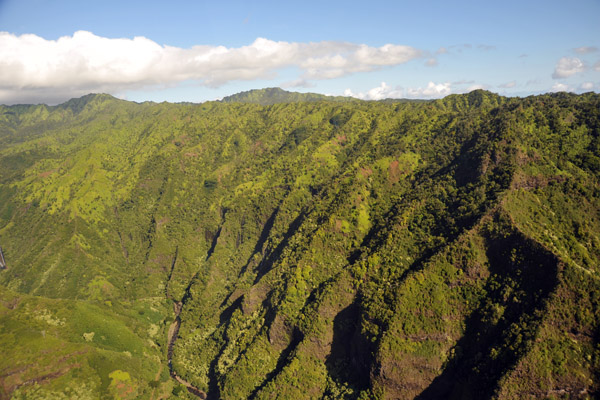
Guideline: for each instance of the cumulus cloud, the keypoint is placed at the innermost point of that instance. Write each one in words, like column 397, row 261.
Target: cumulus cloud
column 327, row 60
column 597, row 66
column 586, row 49
column 587, row 86
column 432, row 90
column 32, row 67
column 383, row 91
column 561, row 87
column 567, row 66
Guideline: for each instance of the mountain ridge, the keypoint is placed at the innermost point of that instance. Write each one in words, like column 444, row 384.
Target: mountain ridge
column 265, row 96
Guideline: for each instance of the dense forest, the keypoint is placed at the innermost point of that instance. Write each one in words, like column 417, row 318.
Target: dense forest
column 276, row 245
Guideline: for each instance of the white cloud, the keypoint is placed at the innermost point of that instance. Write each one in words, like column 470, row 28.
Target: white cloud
column 586, row 49
column 33, row 68
column 561, row 87
column 433, row 90
column 349, row 93
column 587, row 86
column 597, row 66
column 328, row 60
column 383, row 91
column 508, row 85
column 567, row 67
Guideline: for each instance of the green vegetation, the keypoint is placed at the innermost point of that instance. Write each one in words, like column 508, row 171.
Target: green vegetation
column 310, row 247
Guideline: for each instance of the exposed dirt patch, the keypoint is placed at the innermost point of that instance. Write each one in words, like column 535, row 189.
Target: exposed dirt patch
column 366, row 172
column 394, row 172
column 46, row 174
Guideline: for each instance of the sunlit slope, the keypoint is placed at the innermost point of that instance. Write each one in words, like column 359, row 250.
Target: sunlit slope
column 317, row 249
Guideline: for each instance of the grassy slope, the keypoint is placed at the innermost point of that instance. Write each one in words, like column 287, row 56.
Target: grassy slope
column 333, row 250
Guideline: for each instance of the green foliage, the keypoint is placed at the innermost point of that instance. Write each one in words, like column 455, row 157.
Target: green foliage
column 312, row 247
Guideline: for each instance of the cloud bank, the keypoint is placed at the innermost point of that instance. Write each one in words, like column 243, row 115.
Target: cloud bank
column 384, row 91
column 33, row 69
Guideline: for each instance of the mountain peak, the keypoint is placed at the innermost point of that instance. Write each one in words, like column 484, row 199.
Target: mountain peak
column 78, row 104
column 274, row 95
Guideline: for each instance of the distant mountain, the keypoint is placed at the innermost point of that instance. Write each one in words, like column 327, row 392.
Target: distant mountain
column 276, row 95
column 78, row 104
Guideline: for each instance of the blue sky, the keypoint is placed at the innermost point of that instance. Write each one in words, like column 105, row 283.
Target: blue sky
column 52, row 50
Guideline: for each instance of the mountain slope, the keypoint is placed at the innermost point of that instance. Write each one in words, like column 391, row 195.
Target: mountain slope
column 442, row 249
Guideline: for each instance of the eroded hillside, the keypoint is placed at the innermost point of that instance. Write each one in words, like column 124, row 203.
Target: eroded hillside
column 443, row 249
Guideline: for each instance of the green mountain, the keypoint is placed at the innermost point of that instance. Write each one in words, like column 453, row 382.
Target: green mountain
column 269, row 96
column 322, row 249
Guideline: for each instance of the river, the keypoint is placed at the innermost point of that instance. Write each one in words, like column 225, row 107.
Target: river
column 171, row 338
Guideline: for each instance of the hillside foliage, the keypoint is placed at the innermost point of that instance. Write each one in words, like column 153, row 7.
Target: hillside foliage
column 305, row 248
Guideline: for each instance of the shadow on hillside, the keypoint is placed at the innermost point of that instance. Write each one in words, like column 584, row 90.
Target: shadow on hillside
column 350, row 359
column 502, row 329
column 282, row 361
column 267, row 262
column 262, row 239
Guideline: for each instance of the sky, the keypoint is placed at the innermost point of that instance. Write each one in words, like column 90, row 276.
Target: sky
column 194, row 51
